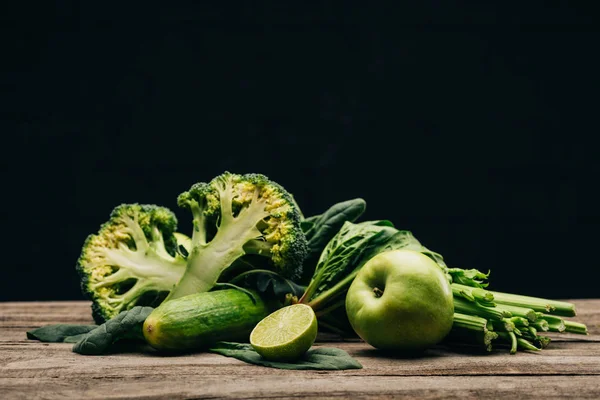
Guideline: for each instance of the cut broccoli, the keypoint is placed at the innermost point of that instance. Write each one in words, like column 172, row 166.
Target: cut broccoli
column 240, row 219
column 132, row 260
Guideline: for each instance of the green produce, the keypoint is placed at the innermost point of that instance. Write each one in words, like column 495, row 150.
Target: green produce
column 199, row 320
column 60, row 333
column 286, row 334
column 470, row 329
column 240, row 221
column 132, row 260
column 400, row 300
column 127, row 326
column 340, row 262
column 513, row 318
column 123, row 332
column 320, row 358
column 345, row 254
column 356, row 243
column 536, row 304
column 320, row 229
column 249, row 234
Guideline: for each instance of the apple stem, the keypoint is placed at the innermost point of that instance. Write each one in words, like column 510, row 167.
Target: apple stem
column 378, row 292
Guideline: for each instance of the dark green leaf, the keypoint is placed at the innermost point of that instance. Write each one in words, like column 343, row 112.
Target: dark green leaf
column 76, row 338
column 347, row 252
column 321, row 228
column 268, row 284
column 59, row 333
column 391, row 239
column 307, row 223
column 353, row 245
column 125, row 326
column 326, row 358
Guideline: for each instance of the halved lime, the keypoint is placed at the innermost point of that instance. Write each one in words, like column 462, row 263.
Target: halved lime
column 286, row 334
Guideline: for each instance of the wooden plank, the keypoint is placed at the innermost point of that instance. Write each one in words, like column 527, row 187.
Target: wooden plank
column 45, row 359
column 35, row 314
column 299, row 385
column 29, row 369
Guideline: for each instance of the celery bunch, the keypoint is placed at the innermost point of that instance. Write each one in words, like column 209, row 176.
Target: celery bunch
column 483, row 317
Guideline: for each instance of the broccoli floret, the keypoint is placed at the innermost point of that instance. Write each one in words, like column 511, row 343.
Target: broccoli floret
column 235, row 217
column 132, row 260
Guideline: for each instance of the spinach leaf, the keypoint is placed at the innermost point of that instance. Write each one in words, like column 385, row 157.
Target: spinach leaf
column 390, row 239
column 319, row 229
column 343, row 252
column 269, row 284
column 324, row 358
column 346, row 253
column 308, row 223
column 105, row 338
column 350, row 248
column 61, row 333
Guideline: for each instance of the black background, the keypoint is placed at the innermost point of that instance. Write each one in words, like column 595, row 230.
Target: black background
column 472, row 127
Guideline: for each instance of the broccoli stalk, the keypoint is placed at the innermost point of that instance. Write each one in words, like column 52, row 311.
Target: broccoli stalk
column 132, row 260
column 252, row 216
column 145, row 263
column 208, row 260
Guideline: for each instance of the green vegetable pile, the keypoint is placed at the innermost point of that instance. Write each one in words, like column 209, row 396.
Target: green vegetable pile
column 240, row 222
column 482, row 317
column 252, row 252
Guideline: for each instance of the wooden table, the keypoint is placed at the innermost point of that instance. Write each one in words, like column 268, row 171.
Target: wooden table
column 570, row 367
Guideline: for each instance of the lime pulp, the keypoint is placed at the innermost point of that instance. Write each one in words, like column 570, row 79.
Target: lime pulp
column 286, row 334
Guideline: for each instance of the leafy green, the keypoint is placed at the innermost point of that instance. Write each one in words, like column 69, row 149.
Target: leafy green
column 342, row 253
column 104, row 338
column 468, row 277
column 96, row 339
column 320, row 358
column 268, row 284
column 61, row 333
column 347, row 252
column 319, row 229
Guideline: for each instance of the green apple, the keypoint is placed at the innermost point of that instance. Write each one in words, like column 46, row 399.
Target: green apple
column 400, row 300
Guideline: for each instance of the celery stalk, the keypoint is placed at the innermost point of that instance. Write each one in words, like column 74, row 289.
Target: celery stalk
column 537, row 304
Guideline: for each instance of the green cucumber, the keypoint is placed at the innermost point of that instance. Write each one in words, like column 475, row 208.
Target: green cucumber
column 199, row 320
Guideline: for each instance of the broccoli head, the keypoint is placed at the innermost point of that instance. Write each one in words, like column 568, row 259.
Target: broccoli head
column 132, row 260
column 237, row 216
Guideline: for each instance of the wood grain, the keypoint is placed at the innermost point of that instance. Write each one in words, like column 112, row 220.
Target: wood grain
column 570, row 367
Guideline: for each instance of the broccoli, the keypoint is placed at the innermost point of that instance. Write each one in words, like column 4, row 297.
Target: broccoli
column 240, row 219
column 132, row 260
